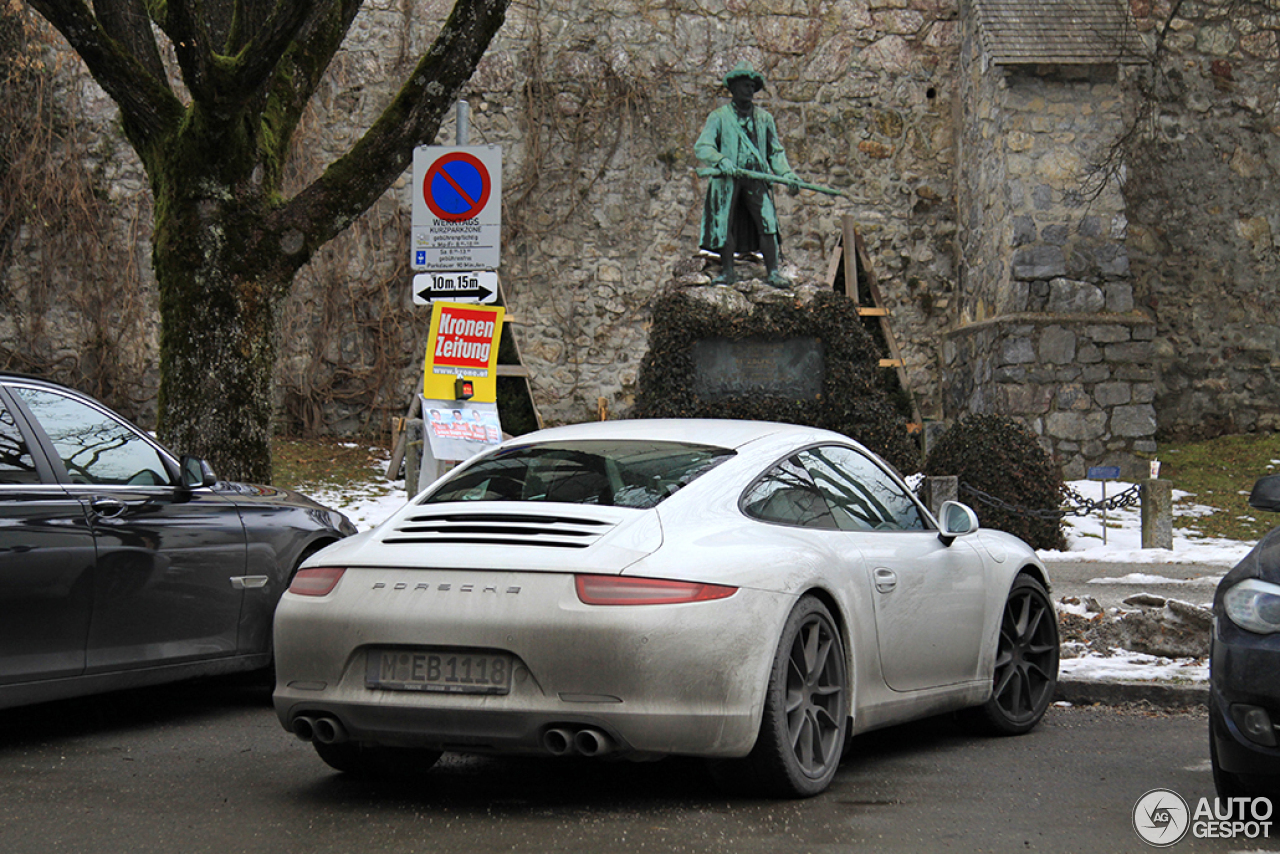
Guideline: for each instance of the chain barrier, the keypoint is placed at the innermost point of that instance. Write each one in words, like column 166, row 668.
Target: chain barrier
column 1077, row 504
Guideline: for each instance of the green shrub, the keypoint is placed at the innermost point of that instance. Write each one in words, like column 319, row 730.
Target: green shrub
column 1002, row 458
column 855, row 400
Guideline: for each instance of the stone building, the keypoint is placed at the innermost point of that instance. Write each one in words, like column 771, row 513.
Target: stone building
column 1070, row 206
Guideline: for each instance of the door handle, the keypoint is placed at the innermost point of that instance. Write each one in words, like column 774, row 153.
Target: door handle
column 886, row 579
column 248, row 582
column 108, row 508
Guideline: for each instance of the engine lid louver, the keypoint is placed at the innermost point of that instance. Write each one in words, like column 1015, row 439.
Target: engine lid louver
column 504, row 529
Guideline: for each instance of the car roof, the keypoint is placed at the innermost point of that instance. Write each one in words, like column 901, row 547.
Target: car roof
column 720, row 432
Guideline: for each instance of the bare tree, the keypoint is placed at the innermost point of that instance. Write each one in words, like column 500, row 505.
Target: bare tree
column 227, row 244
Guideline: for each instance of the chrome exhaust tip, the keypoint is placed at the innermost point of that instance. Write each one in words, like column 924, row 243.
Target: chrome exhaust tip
column 304, row 727
column 558, row 741
column 330, row 731
column 592, row 742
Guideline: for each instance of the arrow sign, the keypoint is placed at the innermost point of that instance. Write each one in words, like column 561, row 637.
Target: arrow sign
column 477, row 287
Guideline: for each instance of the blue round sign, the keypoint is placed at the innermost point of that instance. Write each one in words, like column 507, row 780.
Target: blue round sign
column 457, row 187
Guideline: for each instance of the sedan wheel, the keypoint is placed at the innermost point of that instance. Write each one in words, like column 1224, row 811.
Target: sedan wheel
column 805, row 711
column 1026, row 671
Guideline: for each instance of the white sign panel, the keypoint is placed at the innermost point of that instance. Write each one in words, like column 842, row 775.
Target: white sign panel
column 479, row 286
column 457, row 207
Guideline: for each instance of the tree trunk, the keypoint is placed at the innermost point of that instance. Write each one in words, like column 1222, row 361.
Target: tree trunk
column 220, row 298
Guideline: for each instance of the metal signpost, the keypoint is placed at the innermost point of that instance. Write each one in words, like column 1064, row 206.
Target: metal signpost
column 455, row 248
column 1104, row 473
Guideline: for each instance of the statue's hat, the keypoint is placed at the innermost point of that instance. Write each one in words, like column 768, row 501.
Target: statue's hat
column 745, row 69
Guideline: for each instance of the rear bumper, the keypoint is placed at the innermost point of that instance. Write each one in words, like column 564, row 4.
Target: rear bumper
column 656, row 679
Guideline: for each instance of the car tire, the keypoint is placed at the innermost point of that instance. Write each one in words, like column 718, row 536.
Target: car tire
column 806, row 711
column 1026, row 668
column 352, row 757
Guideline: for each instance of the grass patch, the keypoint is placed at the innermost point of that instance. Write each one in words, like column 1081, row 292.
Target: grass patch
column 312, row 465
column 1219, row 473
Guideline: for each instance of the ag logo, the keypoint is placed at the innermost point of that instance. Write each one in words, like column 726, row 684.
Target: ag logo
column 1161, row 818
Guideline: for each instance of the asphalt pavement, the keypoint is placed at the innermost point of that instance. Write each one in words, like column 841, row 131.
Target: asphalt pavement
column 1080, row 579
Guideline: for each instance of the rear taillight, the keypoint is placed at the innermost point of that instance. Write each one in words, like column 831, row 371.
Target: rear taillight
column 616, row 590
column 316, row 582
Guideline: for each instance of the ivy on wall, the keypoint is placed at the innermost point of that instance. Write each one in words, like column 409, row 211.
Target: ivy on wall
column 855, row 398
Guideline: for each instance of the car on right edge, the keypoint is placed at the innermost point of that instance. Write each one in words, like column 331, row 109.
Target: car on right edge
column 1244, row 680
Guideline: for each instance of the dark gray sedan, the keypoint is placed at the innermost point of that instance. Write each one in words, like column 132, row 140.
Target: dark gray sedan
column 122, row 565
column 1244, row 692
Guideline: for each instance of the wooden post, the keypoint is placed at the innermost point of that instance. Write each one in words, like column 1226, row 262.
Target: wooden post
column 848, row 237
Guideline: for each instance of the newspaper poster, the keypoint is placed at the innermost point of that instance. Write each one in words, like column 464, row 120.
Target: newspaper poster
column 460, row 429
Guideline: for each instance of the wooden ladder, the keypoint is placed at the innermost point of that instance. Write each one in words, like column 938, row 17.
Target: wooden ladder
column 518, row 369
column 844, row 268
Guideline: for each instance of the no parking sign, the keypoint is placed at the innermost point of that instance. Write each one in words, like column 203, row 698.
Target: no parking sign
column 457, row 207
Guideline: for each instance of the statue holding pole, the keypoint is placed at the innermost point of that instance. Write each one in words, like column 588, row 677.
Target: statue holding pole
column 744, row 157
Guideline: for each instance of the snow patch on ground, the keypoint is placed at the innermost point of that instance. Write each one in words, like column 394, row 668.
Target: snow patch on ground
column 1123, row 665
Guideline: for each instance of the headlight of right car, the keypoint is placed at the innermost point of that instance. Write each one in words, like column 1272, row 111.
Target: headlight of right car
column 1254, row 606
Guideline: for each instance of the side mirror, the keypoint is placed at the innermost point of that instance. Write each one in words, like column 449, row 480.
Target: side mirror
column 955, row 520
column 196, row 472
column 1266, row 494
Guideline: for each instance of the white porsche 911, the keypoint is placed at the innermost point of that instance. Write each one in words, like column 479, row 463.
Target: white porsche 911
column 747, row 592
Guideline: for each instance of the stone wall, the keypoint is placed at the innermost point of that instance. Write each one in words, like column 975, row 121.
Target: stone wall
column 1045, row 327
column 967, row 181
column 1205, row 223
column 603, row 200
column 1083, row 383
column 597, row 106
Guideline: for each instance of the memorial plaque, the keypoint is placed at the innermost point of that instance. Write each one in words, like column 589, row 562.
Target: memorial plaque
column 749, row 367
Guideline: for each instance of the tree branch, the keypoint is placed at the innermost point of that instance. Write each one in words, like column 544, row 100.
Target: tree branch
column 302, row 21
column 192, row 44
column 148, row 106
column 127, row 22
column 355, row 181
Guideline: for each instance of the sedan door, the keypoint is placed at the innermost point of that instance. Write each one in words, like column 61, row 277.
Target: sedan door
column 46, row 564
column 169, row 558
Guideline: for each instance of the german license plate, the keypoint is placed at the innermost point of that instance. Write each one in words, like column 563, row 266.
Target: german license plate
column 438, row 671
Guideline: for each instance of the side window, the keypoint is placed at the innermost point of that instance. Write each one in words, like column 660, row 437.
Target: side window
column 94, row 447
column 863, row 497
column 787, row 495
column 16, row 463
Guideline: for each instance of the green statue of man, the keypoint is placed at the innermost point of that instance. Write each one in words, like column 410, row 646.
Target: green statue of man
column 739, row 215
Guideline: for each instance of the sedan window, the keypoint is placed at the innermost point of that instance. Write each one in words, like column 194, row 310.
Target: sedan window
column 94, row 447
column 16, row 463
column 611, row 473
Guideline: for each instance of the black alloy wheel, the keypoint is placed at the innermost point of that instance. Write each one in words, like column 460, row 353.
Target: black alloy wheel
column 1026, row 668
column 806, row 711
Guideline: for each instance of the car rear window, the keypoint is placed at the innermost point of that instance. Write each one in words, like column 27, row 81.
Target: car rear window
column 611, row 473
